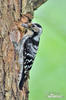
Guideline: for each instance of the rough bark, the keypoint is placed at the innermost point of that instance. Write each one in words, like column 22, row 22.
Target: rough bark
column 10, row 18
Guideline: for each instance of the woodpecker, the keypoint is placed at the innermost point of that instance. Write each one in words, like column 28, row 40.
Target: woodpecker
column 27, row 49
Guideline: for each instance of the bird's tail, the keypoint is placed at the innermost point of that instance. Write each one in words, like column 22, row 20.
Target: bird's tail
column 23, row 79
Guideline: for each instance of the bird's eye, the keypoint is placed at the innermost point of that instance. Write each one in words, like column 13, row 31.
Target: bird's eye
column 33, row 25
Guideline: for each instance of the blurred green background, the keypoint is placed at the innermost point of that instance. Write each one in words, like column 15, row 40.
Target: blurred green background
column 48, row 74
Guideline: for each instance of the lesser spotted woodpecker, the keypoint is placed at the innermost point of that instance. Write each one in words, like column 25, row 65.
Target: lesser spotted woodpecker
column 27, row 49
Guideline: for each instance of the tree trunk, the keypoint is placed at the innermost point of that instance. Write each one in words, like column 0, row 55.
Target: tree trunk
column 11, row 13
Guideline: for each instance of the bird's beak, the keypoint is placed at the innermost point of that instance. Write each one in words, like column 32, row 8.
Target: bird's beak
column 25, row 25
column 29, row 25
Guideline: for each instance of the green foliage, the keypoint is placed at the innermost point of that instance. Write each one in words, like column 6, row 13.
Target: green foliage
column 48, row 74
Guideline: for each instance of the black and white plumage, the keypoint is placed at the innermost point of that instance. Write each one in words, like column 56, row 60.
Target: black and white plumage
column 27, row 49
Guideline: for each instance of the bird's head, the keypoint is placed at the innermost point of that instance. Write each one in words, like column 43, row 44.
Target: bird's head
column 33, row 27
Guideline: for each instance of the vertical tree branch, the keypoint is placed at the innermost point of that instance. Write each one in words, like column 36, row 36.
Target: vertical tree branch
column 10, row 21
